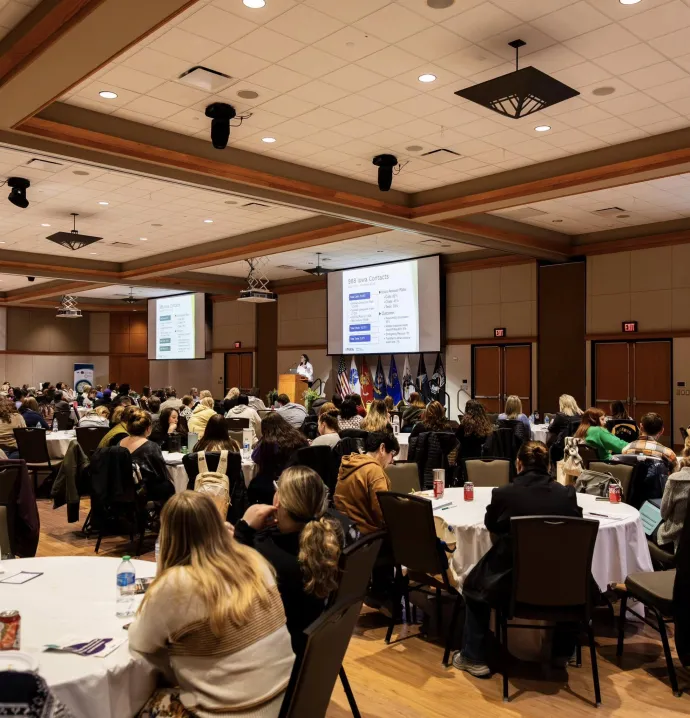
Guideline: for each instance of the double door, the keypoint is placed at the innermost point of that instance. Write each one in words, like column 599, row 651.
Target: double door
column 638, row 374
column 239, row 370
column 499, row 371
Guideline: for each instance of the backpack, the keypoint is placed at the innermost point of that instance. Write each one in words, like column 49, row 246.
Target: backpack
column 595, row 483
column 214, row 483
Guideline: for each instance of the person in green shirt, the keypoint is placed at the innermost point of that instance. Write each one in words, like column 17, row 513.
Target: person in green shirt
column 593, row 430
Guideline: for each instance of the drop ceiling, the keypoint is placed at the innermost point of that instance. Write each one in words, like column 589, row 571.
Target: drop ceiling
column 12, row 12
column 120, row 291
column 17, row 281
column 337, row 82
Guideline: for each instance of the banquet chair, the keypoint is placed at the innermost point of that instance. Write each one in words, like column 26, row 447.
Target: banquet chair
column 587, row 454
column 89, row 437
column 488, row 471
column 619, row 471
column 404, row 478
column 33, row 448
column 547, row 588
column 237, row 436
column 28, row 694
column 10, row 482
column 316, row 670
column 412, row 533
column 237, row 424
column 64, row 420
column 317, row 458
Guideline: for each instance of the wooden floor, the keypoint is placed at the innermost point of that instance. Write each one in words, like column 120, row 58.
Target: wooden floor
column 406, row 679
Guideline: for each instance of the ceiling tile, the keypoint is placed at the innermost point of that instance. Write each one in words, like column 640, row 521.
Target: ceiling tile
column 570, row 21
column 319, row 92
column 440, row 15
column 349, row 11
column 354, row 78
column 215, row 24
column 305, row 24
column 356, row 128
column 432, row 43
column 659, row 21
column 387, row 117
column 584, row 116
column 90, row 93
column 650, row 115
column 268, row 45
column 453, row 116
column 354, row 106
column 130, row 79
column 677, row 90
column 287, row 106
column 185, row 45
column 257, row 15
column 321, row 117
column 279, row 78
column 532, row 9
column 301, row 148
column 390, row 61
column 602, row 41
column 350, row 44
column 535, row 39
column 481, row 22
column 328, row 138
column 620, row 105
column 389, row 92
column 392, row 23
column 632, row 58
column 582, row 74
column 470, row 61
column 178, row 93
column 156, row 63
column 655, row 75
column 312, row 62
column 235, row 63
column 295, row 129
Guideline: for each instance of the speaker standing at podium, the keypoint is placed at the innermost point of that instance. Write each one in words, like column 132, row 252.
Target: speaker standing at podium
column 305, row 369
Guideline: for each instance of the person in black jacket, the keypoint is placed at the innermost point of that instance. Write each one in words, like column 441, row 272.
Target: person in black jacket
column 566, row 418
column 475, row 428
column 533, row 493
column 30, row 413
column 302, row 543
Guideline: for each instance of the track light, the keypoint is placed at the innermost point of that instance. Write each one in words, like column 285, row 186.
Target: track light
column 17, row 196
column 385, row 163
column 220, row 113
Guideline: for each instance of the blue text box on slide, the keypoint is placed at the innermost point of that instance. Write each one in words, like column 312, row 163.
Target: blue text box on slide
column 357, row 338
column 360, row 327
column 360, row 295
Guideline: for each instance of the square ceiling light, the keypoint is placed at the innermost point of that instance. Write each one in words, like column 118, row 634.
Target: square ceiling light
column 203, row 78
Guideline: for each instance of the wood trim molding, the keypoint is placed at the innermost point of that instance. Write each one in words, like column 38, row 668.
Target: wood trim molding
column 298, row 347
column 510, row 260
column 620, row 336
column 524, row 240
column 484, row 341
column 668, row 239
column 232, row 350
column 28, row 352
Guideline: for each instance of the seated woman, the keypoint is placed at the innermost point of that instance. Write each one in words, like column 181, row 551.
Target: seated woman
column 147, row 455
column 475, row 428
column 96, row 417
column 513, row 411
column 377, row 418
column 568, row 412
column 622, row 425
column 10, row 419
column 674, row 504
column 118, row 426
column 279, row 441
column 170, row 425
column 414, row 411
column 433, row 419
column 31, row 415
column 349, row 418
column 212, row 620
column 203, row 411
column 216, row 437
column 328, row 430
column 361, row 410
column 593, row 431
column 302, row 543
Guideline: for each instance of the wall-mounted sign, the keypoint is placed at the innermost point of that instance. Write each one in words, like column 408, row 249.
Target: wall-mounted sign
column 238, row 345
column 629, row 327
column 500, row 333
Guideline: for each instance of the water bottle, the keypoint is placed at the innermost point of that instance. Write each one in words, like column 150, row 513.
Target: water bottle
column 126, row 578
column 158, row 548
column 55, row 425
column 246, row 443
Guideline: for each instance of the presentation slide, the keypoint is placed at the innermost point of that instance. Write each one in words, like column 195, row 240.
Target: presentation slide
column 379, row 309
column 176, row 327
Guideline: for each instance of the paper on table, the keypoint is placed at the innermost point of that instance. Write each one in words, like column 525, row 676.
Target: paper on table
column 607, row 517
column 91, row 647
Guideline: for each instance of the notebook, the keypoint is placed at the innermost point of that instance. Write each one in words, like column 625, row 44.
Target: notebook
column 650, row 514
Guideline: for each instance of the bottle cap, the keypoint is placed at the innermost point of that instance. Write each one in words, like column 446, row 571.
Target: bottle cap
column 126, row 558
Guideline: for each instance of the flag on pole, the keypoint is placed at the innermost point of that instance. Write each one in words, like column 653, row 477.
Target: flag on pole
column 394, row 390
column 367, row 383
column 355, row 386
column 407, row 383
column 422, row 383
column 343, row 381
column 438, row 381
column 380, row 382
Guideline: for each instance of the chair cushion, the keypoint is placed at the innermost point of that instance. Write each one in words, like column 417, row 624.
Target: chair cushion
column 653, row 589
column 668, row 560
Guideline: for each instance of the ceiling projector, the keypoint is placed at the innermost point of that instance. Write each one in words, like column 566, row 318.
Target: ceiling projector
column 257, row 296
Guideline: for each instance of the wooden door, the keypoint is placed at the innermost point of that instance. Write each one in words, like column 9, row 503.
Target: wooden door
column 517, row 375
column 486, row 377
column 613, row 363
column 239, row 370
column 652, row 383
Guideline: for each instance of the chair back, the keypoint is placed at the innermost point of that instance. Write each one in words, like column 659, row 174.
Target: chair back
column 626, row 430
column 488, row 472
column 356, row 564
column 237, row 424
column 64, row 420
column 503, row 443
column 317, row 458
column 622, row 472
column 412, row 533
column 315, row 672
column 237, row 436
column 89, row 437
column 32, row 445
column 10, row 481
column 587, row 454
column 404, row 478
column 541, row 576
column 353, row 434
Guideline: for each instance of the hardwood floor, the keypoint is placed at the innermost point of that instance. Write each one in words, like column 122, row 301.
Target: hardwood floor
column 406, row 679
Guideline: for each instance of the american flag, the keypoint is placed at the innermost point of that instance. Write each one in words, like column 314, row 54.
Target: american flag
column 343, row 381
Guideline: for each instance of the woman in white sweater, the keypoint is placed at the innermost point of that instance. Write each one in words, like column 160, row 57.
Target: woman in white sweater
column 212, row 621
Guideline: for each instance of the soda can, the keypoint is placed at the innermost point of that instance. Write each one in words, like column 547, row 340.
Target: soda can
column 10, row 623
column 439, row 483
column 615, row 496
column 469, row 491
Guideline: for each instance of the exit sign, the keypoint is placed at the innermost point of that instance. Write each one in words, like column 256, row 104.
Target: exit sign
column 238, row 345
column 500, row 333
column 629, row 327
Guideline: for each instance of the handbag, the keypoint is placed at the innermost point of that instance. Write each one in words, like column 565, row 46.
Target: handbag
column 571, row 467
column 595, row 483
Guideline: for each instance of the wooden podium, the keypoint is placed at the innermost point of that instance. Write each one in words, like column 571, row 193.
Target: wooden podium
column 293, row 385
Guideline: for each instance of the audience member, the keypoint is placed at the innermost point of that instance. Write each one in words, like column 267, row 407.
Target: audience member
column 154, row 403
column 170, row 430
column 337, row 400
column 171, row 399
column 292, row 412
column 96, row 417
column 652, row 426
column 361, row 476
column 593, row 431
column 361, row 410
column 216, row 437
column 532, row 493
column 561, row 423
column 433, row 419
column 203, row 411
column 123, row 398
column 474, row 429
column 242, row 410
column 328, row 430
column 349, row 418
column 10, row 419
column 513, row 411
column 412, row 414
column 674, row 504
column 187, row 406
column 620, row 424
column 31, row 415
column 230, row 399
column 214, row 617
column 390, row 404
column 118, row 422
column 297, row 537
column 377, row 417
column 194, row 392
column 144, row 398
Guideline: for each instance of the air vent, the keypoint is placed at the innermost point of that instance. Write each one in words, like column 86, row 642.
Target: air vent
column 610, row 212
column 440, row 156
column 121, row 244
column 203, row 78
column 256, row 207
column 45, row 165
column 524, row 213
column 285, row 266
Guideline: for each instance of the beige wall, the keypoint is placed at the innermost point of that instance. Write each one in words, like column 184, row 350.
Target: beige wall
column 234, row 322
column 32, row 369
column 99, row 332
column 38, row 330
column 182, row 374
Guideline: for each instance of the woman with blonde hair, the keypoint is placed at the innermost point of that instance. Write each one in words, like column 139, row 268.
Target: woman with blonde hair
column 297, row 536
column 377, row 417
column 213, row 617
column 565, row 422
column 513, row 412
column 203, row 411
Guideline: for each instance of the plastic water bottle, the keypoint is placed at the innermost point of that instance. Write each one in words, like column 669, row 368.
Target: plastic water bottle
column 158, row 548
column 55, row 425
column 126, row 578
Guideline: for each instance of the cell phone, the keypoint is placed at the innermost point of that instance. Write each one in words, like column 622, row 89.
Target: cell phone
column 602, row 498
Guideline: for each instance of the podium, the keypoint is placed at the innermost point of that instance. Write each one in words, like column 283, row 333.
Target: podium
column 293, row 385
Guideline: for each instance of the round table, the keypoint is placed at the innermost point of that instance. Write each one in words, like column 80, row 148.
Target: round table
column 620, row 549
column 58, row 442
column 75, row 596
column 540, row 432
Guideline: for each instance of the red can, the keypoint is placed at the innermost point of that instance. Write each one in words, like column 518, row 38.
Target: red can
column 469, row 491
column 615, row 494
column 439, row 483
column 10, row 623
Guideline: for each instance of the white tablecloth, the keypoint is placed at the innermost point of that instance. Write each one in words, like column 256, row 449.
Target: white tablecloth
column 403, row 441
column 540, row 432
column 620, row 549
column 178, row 475
column 58, row 442
column 76, row 596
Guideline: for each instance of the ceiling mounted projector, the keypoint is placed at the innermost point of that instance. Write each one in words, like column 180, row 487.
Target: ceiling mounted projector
column 220, row 113
column 258, row 291
column 520, row 93
column 385, row 163
column 68, row 308
column 17, row 196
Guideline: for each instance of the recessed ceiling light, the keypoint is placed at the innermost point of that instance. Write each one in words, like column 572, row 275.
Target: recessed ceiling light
column 254, row 4
column 208, row 221
column 108, row 94
column 542, row 128
column 143, row 239
column 45, row 225
column 427, row 77
column 601, row 91
column 93, row 252
column 629, row 2
column 104, row 204
column 268, row 140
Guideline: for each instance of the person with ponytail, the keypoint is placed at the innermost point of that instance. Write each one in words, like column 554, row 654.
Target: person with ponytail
column 301, row 541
